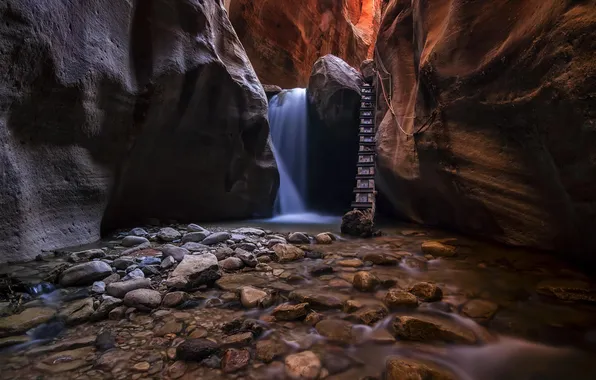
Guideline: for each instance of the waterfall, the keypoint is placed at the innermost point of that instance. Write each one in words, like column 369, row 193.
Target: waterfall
column 288, row 122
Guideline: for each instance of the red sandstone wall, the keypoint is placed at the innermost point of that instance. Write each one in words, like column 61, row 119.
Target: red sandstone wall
column 283, row 38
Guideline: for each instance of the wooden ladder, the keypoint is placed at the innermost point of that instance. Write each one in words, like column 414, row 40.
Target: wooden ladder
column 365, row 177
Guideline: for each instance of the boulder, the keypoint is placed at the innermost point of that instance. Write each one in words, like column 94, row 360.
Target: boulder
column 427, row 291
column 473, row 148
column 428, row 329
column 139, row 117
column 177, row 253
column 231, row 264
column 368, row 70
column 271, row 90
column 85, row 274
column 143, row 299
column 397, row 298
column 120, row 288
column 194, row 270
column 168, row 234
column 217, row 237
column 358, row 223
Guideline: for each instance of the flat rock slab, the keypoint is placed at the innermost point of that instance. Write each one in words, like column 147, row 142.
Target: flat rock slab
column 29, row 318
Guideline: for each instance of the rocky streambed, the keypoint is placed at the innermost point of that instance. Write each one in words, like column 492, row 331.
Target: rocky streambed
column 184, row 302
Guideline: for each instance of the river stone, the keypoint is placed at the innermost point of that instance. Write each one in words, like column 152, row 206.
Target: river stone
column 87, row 255
column 167, row 262
column 234, row 360
column 107, row 304
column 13, row 340
column 247, row 246
column 289, row 312
column 397, row 298
column 98, row 287
column 77, row 311
column 28, row 318
column 120, row 288
column 270, row 349
column 234, row 281
column 178, row 253
column 196, row 349
column 174, row 299
column 321, row 269
column 196, row 228
column 438, row 249
column 132, row 241
column 138, row 232
column 408, row 369
column 217, row 237
column 64, row 361
column 336, row 330
column 194, row 237
column 427, row 291
column 427, row 328
column 134, row 274
column 143, row 299
column 365, row 281
column 381, row 259
column 117, row 313
column 323, row 238
column 303, row 365
column 252, row 297
column 480, row 310
column 568, row 290
column 85, row 274
column 369, row 315
column 123, row 262
column 249, row 231
column 319, row 299
column 231, row 264
column 223, row 252
column 286, row 253
column 195, row 247
column 113, row 359
column 194, row 270
column 168, row 234
column 298, row 238
column 249, row 259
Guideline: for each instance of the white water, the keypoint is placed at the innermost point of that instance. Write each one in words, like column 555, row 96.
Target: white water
column 288, row 119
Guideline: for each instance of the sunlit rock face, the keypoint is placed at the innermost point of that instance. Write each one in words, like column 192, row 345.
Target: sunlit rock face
column 499, row 97
column 283, row 38
column 112, row 112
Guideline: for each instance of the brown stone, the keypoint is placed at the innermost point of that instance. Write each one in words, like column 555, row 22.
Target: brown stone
column 370, row 315
column 304, row 365
column 397, row 298
column 234, row 360
column 365, row 281
column 288, row 312
column 482, row 310
column 269, row 349
column 351, row 263
column 237, row 339
column 141, row 367
column 287, row 252
column 318, row 299
column 177, row 369
column 438, row 249
column 381, row 259
column 426, row 328
column 427, row 291
column 27, row 319
column 568, row 290
column 313, row 318
column 323, row 238
column 336, row 330
column 171, row 327
column 408, row 369
column 174, row 299
column 357, row 223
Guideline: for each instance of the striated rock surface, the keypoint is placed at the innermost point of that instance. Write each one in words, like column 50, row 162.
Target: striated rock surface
column 119, row 111
column 499, row 98
column 283, row 38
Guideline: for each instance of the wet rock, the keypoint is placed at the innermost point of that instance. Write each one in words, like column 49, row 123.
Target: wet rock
column 286, row 253
column 397, row 299
column 117, row 313
column 319, row 299
column 251, row 297
column 365, row 281
column 273, row 242
column 195, row 247
column 351, row 263
column 240, row 339
column 232, row 282
column 151, row 270
column 217, row 237
column 143, row 299
column 234, row 360
column 231, row 264
column 107, row 304
column 249, row 259
column 178, row 253
column 138, row 232
column 381, row 259
column 249, row 231
column 85, row 274
column 98, row 287
column 298, row 238
column 370, row 314
column 168, row 262
column 336, row 330
column 13, row 341
column 113, row 359
column 568, row 290
column 134, row 275
column 321, row 269
column 120, row 288
column 194, row 237
column 196, row 349
column 141, row 367
column 303, row 365
column 132, row 241
column 174, row 299
column 86, row 255
column 288, row 312
column 123, row 262
column 427, row 291
column 194, row 270
column 438, row 249
column 29, row 318
column 168, row 234
column 313, row 318
column 417, row 263
column 64, row 361
column 77, row 311
column 195, row 228
column 323, row 238
column 250, row 247
column 136, row 249
column 357, row 223
column 408, row 369
column 268, row 350
column 223, row 252
column 105, row 341
column 177, row 370
column 170, row 327
column 314, row 255
column 481, row 310
column 111, row 278
column 426, row 328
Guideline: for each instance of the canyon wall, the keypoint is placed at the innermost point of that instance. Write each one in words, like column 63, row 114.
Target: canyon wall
column 284, row 38
column 112, row 112
column 493, row 123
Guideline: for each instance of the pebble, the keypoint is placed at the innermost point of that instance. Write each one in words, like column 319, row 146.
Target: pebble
column 25, row 320
column 123, row 262
column 141, row 366
column 196, row 349
column 288, row 312
column 138, row 232
column 479, row 309
column 269, row 349
column 134, row 274
column 231, row 264
column 195, row 228
column 286, row 253
column 427, row 328
column 249, row 259
column 174, row 299
column 335, row 330
column 234, row 360
column 351, row 263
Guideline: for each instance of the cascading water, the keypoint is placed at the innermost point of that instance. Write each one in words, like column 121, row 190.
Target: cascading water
column 288, row 119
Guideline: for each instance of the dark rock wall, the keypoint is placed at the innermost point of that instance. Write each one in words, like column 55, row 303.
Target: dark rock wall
column 497, row 103
column 121, row 111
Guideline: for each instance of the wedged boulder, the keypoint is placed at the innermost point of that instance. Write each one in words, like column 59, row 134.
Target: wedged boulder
column 358, row 223
column 194, row 270
column 159, row 115
column 334, row 105
column 475, row 149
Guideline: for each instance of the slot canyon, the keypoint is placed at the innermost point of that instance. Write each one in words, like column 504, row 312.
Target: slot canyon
column 174, row 175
